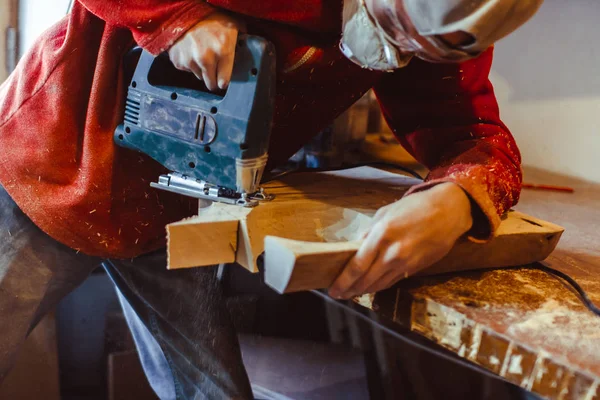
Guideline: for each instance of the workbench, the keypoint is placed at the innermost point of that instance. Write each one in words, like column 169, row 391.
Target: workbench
column 522, row 324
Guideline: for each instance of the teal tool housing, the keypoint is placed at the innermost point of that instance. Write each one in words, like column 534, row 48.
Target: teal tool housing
column 173, row 118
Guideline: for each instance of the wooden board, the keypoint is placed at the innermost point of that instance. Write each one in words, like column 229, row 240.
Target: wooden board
column 292, row 265
column 523, row 324
column 329, row 212
column 314, row 207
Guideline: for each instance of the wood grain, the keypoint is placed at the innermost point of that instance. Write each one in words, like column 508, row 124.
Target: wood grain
column 207, row 239
column 299, row 265
column 312, row 207
column 315, row 224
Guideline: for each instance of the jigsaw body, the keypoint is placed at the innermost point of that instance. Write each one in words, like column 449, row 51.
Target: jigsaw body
column 216, row 145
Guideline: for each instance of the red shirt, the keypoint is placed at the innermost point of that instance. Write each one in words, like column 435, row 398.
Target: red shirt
column 59, row 109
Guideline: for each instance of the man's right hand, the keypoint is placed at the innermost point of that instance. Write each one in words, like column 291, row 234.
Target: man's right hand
column 208, row 50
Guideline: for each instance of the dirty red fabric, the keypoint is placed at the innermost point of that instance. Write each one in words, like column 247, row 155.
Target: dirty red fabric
column 58, row 111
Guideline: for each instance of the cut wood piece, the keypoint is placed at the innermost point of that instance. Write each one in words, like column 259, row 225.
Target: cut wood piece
column 292, row 265
column 207, row 239
column 314, row 207
column 332, row 207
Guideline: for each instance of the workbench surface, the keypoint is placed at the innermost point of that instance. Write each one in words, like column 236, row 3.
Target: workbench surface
column 523, row 324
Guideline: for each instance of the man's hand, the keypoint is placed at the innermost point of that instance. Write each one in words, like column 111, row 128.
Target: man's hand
column 406, row 237
column 208, row 50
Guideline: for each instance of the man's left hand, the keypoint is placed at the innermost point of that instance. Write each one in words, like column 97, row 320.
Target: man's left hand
column 406, row 237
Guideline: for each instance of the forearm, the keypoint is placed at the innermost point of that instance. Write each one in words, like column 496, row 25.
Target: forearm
column 447, row 117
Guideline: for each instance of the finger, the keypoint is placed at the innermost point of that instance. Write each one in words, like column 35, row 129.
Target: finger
column 391, row 262
column 225, row 69
column 382, row 283
column 379, row 269
column 208, row 65
column 356, row 267
column 397, row 274
column 209, row 76
column 380, row 214
column 195, row 69
column 388, row 282
column 179, row 64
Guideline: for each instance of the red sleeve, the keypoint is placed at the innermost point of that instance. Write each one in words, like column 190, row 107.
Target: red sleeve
column 447, row 116
column 155, row 24
column 316, row 15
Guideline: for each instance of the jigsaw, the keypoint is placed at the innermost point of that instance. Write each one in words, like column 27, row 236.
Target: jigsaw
column 214, row 144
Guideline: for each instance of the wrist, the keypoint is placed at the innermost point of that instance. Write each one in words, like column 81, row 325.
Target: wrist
column 457, row 204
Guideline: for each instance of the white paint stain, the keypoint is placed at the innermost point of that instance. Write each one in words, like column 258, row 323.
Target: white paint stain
column 446, row 325
column 541, row 371
column 557, row 328
column 366, row 300
column 591, row 394
column 494, row 360
column 475, row 342
column 514, row 367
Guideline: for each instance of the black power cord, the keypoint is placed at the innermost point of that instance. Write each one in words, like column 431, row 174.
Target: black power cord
column 583, row 296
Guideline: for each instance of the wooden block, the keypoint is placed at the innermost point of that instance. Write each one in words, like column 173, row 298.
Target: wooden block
column 207, row 239
column 314, row 207
column 292, row 265
column 316, row 222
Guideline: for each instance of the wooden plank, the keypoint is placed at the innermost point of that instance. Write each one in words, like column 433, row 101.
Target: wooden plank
column 323, row 212
column 314, row 207
column 4, row 24
column 578, row 253
column 207, row 239
column 298, row 265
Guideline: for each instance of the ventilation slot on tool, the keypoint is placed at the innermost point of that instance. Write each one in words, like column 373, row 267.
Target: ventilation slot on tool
column 132, row 107
column 132, row 112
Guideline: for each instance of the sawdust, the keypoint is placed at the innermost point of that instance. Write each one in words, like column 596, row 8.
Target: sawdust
column 526, row 306
column 350, row 227
column 559, row 329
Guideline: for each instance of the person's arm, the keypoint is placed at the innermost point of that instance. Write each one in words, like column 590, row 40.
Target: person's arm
column 155, row 24
column 447, row 117
column 199, row 37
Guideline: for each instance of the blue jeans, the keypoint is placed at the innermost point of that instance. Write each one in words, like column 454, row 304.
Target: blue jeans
column 186, row 341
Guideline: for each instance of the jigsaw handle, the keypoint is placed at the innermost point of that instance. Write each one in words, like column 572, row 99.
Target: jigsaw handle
column 173, row 119
column 253, row 66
